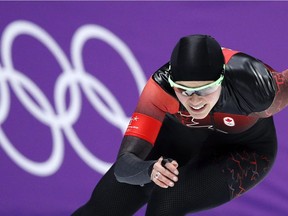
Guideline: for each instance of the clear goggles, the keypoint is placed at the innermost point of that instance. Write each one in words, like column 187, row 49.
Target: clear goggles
column 200, row 91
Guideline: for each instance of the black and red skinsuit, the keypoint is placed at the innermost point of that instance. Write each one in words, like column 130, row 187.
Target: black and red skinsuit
column 220, row 157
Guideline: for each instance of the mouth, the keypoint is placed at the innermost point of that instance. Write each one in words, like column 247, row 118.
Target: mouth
column 198, row 108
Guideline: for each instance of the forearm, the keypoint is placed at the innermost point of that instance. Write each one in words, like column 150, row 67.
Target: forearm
column 132, row 170
column 131, row 166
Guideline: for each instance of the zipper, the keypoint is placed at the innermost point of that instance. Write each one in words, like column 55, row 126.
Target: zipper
column 212, row 121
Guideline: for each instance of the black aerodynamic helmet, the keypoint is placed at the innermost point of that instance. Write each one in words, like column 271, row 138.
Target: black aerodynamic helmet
column 196, row 58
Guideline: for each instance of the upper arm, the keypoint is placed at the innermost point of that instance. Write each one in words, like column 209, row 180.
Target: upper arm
column 147, row 118
column 281, row 97
column 155, row 102
column 152, row 106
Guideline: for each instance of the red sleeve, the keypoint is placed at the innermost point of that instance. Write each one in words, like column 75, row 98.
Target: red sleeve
column 147, row 119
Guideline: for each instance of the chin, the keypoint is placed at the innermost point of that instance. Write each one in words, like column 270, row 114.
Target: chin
column 198, row 115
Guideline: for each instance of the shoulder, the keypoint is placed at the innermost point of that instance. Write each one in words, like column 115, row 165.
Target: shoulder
column 243, row 69
column 161, row 78
column 240, row 65
column 158, row 97
column 250, row 82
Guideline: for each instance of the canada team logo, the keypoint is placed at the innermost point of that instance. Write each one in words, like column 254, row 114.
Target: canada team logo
column 229, row 121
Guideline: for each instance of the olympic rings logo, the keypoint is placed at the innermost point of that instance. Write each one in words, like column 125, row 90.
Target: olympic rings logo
column 61, row 118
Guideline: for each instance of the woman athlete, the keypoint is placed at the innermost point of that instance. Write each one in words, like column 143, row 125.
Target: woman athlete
column 201, row 135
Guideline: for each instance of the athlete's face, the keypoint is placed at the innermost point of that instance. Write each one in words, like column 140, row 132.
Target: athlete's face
column 198, row 106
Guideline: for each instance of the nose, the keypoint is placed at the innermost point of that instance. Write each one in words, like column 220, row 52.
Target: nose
column 195, row 99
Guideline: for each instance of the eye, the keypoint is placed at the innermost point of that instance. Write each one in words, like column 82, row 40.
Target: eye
column 187, row 93
column 184, row 93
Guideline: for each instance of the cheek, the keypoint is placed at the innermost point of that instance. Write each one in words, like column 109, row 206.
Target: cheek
column 213, row 98
column 181, row 97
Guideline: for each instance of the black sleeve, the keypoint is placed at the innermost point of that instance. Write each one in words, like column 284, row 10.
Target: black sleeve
column 248, row 85
column 132, row 170
column 131, row 166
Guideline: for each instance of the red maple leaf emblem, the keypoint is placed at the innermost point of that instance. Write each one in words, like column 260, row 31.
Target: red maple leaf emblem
column 228, row 120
